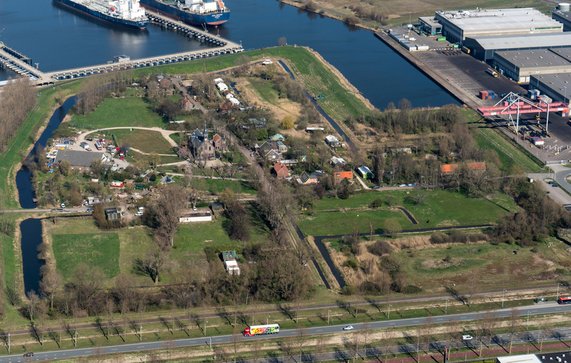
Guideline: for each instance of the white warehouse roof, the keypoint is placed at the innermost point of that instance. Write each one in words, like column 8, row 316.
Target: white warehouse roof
column 527, row 41
column 523, row 358
column 516, row 20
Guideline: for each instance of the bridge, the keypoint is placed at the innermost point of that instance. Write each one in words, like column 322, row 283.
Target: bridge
column 18, row 63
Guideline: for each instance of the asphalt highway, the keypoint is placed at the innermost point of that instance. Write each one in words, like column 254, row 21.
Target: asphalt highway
column 544, row 308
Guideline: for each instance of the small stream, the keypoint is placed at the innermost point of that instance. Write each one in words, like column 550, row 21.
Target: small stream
column 31, row 229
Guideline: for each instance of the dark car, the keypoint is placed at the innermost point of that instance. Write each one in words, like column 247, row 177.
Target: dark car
column 29, row 354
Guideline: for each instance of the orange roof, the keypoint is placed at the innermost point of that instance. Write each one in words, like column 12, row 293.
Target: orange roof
column 476, row 165
column 448, row 168
column 473, row 165
column 216, row 138
column 279, row 166
column 343, row 175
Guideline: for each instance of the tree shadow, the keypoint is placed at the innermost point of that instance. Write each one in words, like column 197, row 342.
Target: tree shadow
column 347, row 307
column 167, row 324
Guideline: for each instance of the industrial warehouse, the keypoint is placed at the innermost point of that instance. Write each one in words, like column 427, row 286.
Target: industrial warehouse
column 523, row 44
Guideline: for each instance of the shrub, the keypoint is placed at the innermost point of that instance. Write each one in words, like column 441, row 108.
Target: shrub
column 438, row 237
column 377, row 203
column 380, row 248
column 351, row 263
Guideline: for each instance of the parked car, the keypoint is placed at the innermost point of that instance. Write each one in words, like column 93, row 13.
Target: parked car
column 28, row 354
column 467, row 337
column 348, row 327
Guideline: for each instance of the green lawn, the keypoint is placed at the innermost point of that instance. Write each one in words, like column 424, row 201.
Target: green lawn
column 191, row 239
column 144, row 140
column 265, row 90
column 348, row 222
column 439, row 208
column 510, row 154
column 216, row 186
column 115, row 112
column 95, row 250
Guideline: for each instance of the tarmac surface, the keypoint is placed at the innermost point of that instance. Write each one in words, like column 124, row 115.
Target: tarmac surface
column 546, row 308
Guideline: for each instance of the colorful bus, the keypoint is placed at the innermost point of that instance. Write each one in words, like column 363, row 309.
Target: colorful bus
column 564, row 300
column 252, row 330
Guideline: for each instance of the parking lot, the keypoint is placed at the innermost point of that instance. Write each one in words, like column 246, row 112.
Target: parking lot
column 469, row 74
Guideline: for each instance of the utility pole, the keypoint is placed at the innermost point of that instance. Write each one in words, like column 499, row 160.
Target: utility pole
column 503, row 297
column 446, row 307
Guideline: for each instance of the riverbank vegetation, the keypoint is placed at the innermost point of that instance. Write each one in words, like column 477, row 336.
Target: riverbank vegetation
column 376, row 13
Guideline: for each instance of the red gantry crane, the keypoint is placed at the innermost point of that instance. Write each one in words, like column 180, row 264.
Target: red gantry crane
column 514, row 104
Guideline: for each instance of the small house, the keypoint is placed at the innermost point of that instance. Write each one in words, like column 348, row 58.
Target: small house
column 196, row 216
column 218, row 80
column 117, row 184
column 113, row 214
column 364, row 172
column 280, row 171
column 272, row 150
column 337, row 161
column 222, row 87
column 332, row 141
column 277, row 137
column 339, row 176
column 230, row 263
column 308, row 179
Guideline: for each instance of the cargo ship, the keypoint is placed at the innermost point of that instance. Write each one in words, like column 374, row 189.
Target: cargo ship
column 193, row 12
column 126, row 13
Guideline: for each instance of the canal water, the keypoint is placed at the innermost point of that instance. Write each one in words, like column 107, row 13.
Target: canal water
column 58, row 39
column 31, row 229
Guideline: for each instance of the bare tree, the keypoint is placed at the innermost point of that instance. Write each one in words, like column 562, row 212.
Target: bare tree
column 172, row 199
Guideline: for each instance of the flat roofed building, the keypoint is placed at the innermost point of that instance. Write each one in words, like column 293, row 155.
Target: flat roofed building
column 523, row 358
column 564, row 17
column 460, row 24
column 519, row 65
column 429, row 25
column 556, row 86
column 484, row 48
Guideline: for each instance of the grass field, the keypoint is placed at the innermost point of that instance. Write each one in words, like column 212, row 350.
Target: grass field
column 439, row 208
column 496, row 266
column 94, row 250
column 144, row 140
column 114, row 112
column 217, row 186
column 191, row 239
column 265, row 90
column 511, row 156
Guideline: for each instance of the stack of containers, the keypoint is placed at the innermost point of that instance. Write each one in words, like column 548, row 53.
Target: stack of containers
column 488, row 95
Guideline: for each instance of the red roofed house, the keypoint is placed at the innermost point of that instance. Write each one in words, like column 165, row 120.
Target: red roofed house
column 280, row 171
column 339, row 176
column 473, row 165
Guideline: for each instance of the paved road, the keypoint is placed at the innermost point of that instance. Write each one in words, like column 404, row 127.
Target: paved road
column 547, row 308
column 75, row 210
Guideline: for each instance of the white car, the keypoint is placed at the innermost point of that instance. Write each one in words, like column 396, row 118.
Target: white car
column 348, row 327
column 467, row 337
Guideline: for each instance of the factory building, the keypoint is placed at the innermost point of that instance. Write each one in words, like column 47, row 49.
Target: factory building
column 556, row 86
column 462, row 24
column 484, row 48
column 429, row 25
column 563, row 15
column 519, row 65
